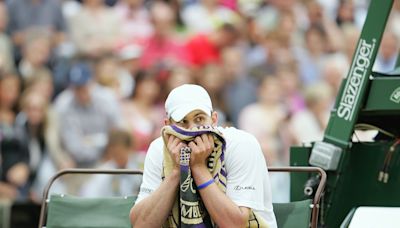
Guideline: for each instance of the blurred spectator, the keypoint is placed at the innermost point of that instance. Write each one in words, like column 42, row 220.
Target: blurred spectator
column 345, row 12
column 315, row 13
column 41, row 136
column 106, row 72
column 118, row 155
column 141, row 112
column 350, row 38
column 212, row 79
column 95, row 29
column 32, row 120
column 335, row 68
column 388, row 51
column 135, row 21
column 310, row 56
column 70, row 8
column 309, row 124
column 291, row 87
column 289, row 28
column 204, row 49
column 272, row 47
column 253, row 118
column 45, row 14
column 239, row 88
column 36, row 50
column 163, row 50
column 10, row 91
column 206, row 16
column 129, row 62
column 330, row 8
column 265, row 119
column 178, row 76
column 14, row 156
column 317, row 18
column 251, row 42
column 87, row 113
column 41, row 82
column 177, row 7
column 353, row 11
column 394, row 19
column 246, row 8
column 15, row 173
column 6, row 48
column 268, row 15
column 273, row 50
column 41, row 85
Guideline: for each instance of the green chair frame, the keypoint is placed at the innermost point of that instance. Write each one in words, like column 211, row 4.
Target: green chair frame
column 45, row 201
column 314, row 206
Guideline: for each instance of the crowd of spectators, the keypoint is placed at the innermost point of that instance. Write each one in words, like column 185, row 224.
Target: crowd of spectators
column 78, row 75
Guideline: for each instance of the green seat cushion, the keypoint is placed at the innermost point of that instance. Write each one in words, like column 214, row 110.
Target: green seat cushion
column 295, row 214
column 70, row 211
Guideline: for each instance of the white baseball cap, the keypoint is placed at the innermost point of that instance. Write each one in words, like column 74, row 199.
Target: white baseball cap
column 186, row 98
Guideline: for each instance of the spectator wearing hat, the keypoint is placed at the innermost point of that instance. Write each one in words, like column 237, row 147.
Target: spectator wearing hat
column 87, row 113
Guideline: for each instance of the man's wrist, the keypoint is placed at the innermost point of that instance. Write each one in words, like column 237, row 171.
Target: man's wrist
column 200, row 174
column 175, row 176
column 175, row 173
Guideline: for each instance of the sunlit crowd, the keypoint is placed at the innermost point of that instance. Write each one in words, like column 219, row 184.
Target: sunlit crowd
column 83, row 83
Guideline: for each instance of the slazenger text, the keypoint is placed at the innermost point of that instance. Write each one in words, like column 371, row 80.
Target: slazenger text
column 358, row 72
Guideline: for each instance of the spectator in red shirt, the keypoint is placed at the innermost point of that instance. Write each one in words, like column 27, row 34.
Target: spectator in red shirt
column 163, row 50
column 206, row 49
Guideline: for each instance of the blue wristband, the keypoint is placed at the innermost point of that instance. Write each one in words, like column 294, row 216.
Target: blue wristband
column 205, row 184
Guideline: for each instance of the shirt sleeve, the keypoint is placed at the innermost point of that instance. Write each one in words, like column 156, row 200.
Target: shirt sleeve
column 247, row 170
column 12, row 14
column 152, row 170
column 60, row 23
column 77, row 144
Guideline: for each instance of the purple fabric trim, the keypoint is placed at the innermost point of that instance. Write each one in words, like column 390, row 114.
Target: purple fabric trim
column 220, row 181
column 184, row 168
column 223, row 173
column 189, row 133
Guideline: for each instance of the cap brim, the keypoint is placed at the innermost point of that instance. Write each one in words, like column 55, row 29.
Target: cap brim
column 181, row 112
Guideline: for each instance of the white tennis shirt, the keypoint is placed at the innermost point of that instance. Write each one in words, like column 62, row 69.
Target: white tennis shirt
column 248, row 183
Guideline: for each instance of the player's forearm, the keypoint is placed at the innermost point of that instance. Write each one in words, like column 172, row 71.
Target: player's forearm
column 223, row 211
column 153, row 211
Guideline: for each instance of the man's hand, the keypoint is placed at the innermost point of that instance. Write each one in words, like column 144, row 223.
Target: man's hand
column 202, row 146
column 18, row 174
column 174, row 146
column 8, row 191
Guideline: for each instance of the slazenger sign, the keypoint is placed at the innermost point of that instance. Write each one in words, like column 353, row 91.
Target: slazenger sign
column 356, row 78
